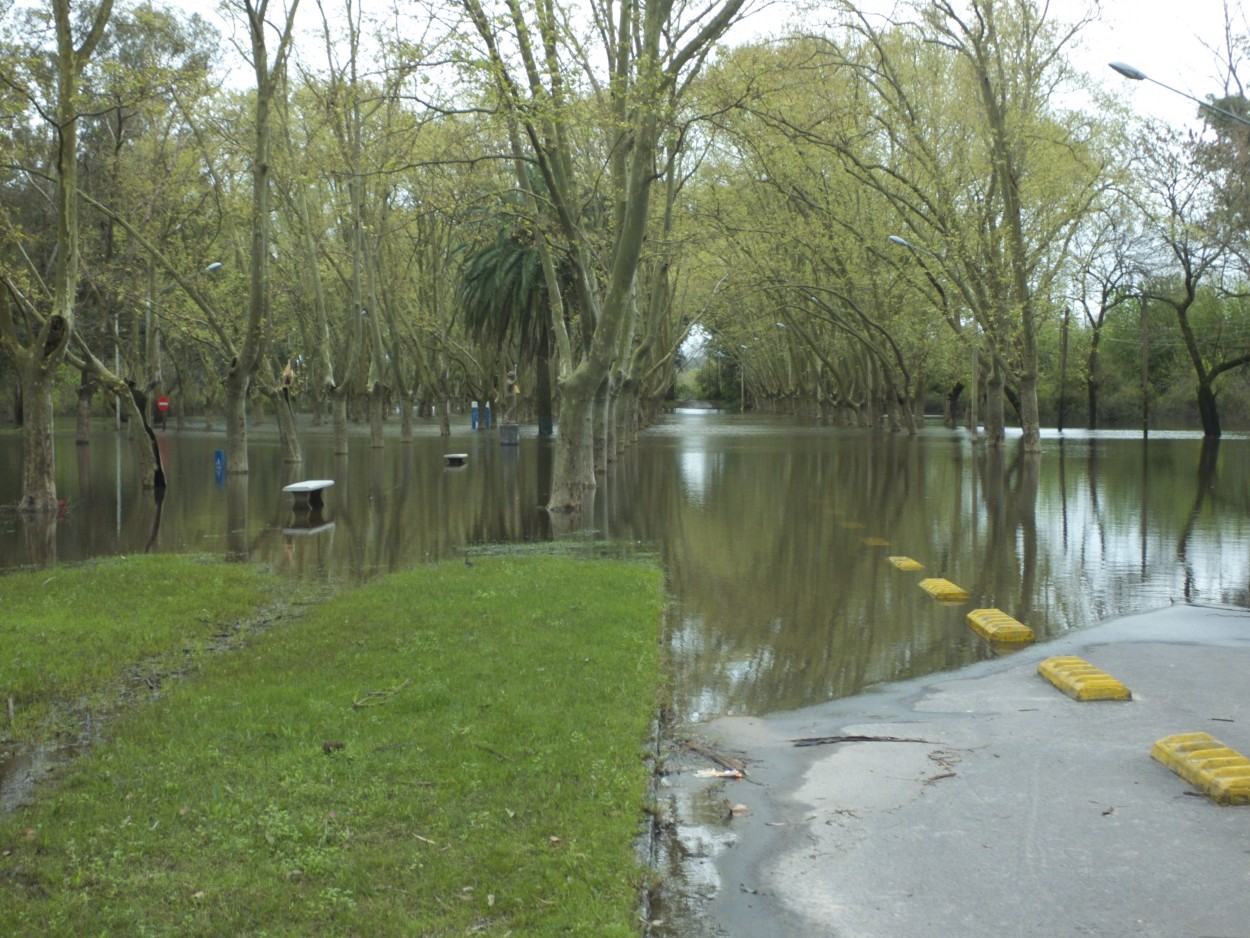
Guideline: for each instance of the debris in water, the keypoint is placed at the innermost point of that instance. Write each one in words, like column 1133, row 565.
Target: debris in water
column 718, row 773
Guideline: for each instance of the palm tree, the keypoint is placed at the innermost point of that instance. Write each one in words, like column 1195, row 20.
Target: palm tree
column 505, row 305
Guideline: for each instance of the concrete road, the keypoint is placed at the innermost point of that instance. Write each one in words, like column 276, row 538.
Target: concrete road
column 1022, row 812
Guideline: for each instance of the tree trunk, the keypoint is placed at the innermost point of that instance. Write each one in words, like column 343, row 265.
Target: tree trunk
column 1030, row 419
column 284, row 414
column 952, row 405
column 602, row 427
column 573, row 469
column 147, row 450
column 338, row 399
column 995, row 396
column 86, row 391
column 1063, row 369
column 542, row 385
column 628, row 411
column 405, row 420
column 38, row 449
column 236, row 422
column 1209, row 411
column 377, row 416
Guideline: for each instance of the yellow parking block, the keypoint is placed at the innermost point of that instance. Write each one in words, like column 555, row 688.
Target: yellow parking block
column 1080, row 680
column 874, row 542
column 997, row 626
column 906, row 563
column 1222, row 774
column 944, row 590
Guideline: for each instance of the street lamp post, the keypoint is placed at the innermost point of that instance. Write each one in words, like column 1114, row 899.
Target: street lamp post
column 1136, row 74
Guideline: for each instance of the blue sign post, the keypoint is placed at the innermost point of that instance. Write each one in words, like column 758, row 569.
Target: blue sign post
column 219, row 466
column 473, row 414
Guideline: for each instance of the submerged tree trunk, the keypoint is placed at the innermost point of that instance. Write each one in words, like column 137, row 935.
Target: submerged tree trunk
column 952, row 405
column 38, row 449
column 1030, row 419
column 627, row 413
column 573, row 468
column 1092, row 380
column 1209, row 411
column 338, row 405
column 377, row 416
column 288, row 435
column 147, row 449
column 995, row 396
column 542, row 385
column 603, row 427
column 236, row 422
column 86, row 391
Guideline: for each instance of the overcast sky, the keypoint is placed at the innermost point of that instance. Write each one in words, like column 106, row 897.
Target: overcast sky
column 1169, row 40
column 1163, row 38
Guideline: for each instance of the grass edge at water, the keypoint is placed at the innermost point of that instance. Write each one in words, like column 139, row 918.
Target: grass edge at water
column 490, row 775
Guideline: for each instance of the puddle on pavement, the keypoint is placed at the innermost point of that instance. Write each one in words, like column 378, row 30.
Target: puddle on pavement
column 695, row 827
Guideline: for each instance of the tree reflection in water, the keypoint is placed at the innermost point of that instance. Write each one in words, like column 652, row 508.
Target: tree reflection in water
column 773, row 532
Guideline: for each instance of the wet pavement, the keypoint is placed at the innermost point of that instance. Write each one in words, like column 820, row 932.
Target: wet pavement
column 1020, row 811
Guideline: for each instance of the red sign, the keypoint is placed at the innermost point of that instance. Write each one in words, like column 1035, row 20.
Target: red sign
column 162, row 403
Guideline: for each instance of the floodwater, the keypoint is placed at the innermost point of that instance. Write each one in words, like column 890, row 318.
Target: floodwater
column 774, row 534
column 773, row 531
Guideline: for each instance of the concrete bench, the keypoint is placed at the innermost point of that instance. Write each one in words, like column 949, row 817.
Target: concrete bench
column 308, row 494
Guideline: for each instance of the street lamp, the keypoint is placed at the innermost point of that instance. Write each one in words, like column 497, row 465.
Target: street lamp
column 904, row 243
column 210, row 269
column 1136, row 74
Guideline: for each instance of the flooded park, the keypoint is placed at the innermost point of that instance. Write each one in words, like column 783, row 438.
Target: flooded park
column 773, row 533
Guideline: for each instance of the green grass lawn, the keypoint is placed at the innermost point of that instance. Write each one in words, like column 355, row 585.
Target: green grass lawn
column 68, row 634
column 446, row 751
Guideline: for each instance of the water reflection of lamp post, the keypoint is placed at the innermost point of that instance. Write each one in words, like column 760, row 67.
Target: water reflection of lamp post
column 1136, row 74
column 973, row 423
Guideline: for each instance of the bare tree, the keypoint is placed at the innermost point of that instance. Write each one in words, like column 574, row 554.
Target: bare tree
column 48, row 337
